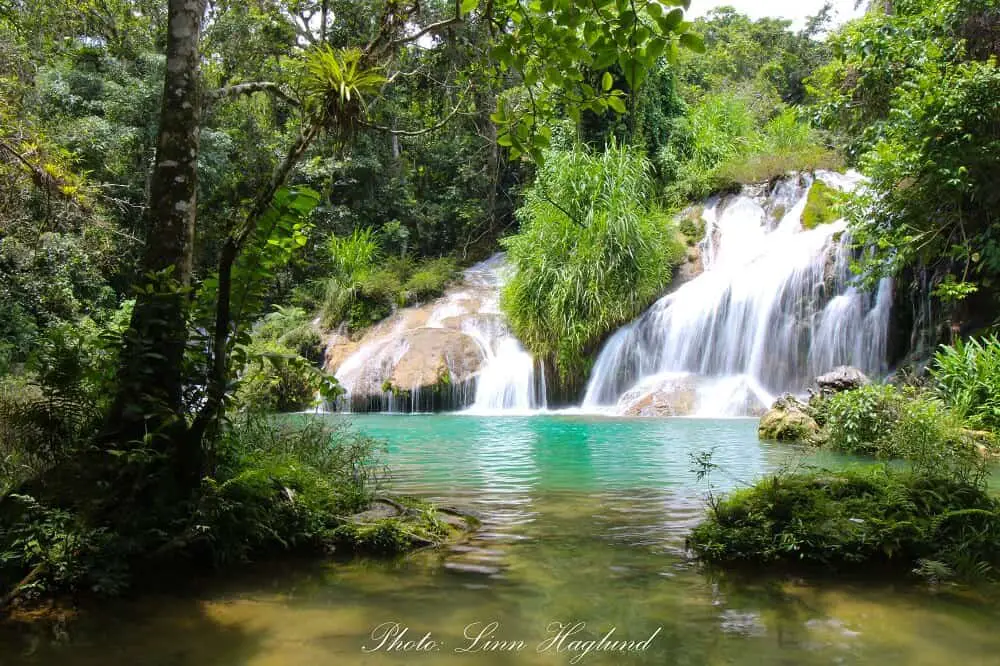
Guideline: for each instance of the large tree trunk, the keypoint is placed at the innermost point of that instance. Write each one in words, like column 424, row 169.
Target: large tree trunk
column 149, row 398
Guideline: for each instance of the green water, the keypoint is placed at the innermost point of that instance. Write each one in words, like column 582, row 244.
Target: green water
column 584, row 522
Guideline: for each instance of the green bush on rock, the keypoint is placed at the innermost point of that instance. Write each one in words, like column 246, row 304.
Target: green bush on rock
column 590, row 255
column 905, row 522
column 366, row 286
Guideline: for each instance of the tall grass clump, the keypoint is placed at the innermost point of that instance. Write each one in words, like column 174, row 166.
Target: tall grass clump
column 967, row 377
column 591, row 254
column 366, row 285
column 732, row 138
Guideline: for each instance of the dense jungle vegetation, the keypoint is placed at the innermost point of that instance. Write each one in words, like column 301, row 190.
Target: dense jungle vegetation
column 194, row 192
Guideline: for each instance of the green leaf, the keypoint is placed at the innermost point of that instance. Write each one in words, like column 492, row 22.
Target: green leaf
column 669, row 23
column 468, row 6
column 607, row 81
column 693, row 42
column 616, row 104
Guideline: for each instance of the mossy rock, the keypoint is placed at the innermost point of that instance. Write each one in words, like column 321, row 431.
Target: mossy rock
column 787, row 423
column 821, row 206
column 393, row 526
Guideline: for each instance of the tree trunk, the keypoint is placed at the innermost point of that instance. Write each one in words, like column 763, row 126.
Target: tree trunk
column 225, row 318
column 150, row 382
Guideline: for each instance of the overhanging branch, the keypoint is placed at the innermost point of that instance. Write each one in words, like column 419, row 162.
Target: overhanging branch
column 249, row 89
column 421, row 132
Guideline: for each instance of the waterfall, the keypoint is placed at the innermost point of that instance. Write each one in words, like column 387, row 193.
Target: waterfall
column 396, row 365
column 774, row 307
column 507, row 380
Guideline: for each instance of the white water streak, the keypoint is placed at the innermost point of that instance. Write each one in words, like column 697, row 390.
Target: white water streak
column 774, row 308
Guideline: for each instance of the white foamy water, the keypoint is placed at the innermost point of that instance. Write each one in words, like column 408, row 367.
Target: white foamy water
column 774, row 308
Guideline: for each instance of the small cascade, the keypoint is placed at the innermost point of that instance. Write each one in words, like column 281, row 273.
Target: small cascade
column 507, row 380
column 774, row 307
column 453, row 353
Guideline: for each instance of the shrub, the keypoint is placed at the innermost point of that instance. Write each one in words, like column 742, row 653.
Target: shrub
column 888, row 422
column 861, row 420
column 282, row 484
column 277, row 379
column 430, row 278
column 692, row 225
column 853, row 520
column 291, row 327
column 733, row 142
column 967, row 377
column 366, row 287
column 590, row 255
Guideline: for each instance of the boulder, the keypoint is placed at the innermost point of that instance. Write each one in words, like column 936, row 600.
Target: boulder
column 436, row 356
column 788, row 421
column 843, row 378
column 984, row 441
column 666, row 397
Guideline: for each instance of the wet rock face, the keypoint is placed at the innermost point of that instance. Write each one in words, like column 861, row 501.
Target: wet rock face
column 680, row 402
column 430, row 357
column 436, row 356
column 788, row 421
column 843, row 378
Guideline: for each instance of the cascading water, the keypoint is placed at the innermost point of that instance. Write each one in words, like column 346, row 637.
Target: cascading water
column 507, row 380
column 773, row 308
column 456, row 352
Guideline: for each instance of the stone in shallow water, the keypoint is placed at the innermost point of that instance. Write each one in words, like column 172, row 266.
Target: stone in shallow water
column 786, row 421
column 668, row 396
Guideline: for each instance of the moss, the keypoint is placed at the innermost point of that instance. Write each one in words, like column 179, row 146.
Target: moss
column 854, row 520
column 421, row 525
column 820, row 206
column 383, row 537
column 787, row 426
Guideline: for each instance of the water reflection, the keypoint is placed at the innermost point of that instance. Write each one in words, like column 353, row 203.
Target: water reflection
column 584, row 521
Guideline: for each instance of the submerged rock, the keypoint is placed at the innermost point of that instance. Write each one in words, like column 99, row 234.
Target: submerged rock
column 788, row 421
column 843, row 378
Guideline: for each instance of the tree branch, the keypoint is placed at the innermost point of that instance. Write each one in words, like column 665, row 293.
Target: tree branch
column 426, row 130
column 40, row 177
column 382, row 43
column 249, row 89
